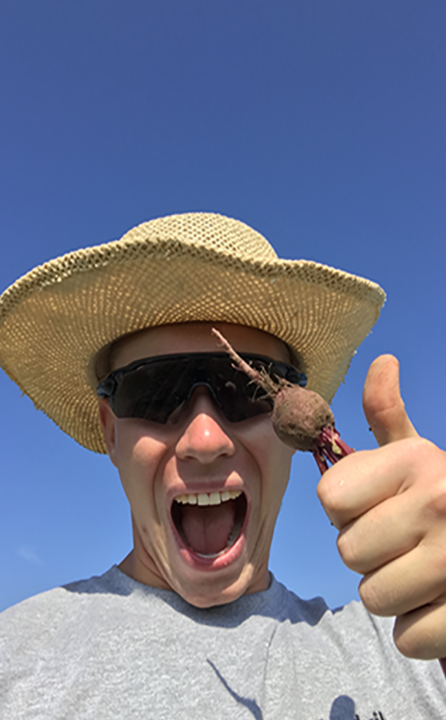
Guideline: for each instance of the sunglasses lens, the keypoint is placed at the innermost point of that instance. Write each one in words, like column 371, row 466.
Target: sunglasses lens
column 153, row 389
column 238, row 397
column 152, row 392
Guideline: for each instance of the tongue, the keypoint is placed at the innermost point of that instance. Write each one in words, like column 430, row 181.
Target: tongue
column 207, row 529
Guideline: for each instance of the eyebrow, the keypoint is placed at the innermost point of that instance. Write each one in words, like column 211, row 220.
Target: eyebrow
column 106, row 357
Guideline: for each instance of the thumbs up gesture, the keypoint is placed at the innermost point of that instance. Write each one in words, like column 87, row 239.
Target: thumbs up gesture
column 389, row 505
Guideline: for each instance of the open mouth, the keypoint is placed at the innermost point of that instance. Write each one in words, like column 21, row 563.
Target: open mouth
column 209, row 523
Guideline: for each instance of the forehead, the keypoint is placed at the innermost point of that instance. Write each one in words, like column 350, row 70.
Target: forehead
column 194, row 337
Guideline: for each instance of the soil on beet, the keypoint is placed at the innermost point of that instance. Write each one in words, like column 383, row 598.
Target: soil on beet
column 299, row 416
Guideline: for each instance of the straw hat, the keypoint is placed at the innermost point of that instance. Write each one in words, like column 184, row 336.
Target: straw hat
column 183, row 268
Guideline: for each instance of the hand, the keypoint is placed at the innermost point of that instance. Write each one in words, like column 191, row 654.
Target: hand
column 390, row 507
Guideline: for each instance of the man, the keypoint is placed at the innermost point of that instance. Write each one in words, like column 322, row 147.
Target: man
column 192, row 624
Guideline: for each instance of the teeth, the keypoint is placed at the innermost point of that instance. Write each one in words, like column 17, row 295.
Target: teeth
column 213, row 498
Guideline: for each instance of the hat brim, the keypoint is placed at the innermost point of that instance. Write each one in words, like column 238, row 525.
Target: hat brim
column 55, row 319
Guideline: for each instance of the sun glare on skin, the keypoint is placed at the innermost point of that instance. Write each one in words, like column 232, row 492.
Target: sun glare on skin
column 201, row 453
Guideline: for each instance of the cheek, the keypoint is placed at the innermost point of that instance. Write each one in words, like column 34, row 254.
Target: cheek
column 138, row 457
column 136, row 443
column 276, row 481
column 273, row 459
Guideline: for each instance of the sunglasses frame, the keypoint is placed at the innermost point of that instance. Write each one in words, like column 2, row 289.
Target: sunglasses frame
column 106, row 388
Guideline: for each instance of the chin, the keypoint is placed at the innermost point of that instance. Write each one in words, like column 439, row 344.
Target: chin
column 211, row 597
column 211, row 592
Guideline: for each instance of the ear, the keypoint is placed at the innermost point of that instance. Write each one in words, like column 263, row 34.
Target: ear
column 108, row 422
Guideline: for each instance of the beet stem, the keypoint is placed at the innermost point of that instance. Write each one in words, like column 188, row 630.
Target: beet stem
column 320, row 461
column 261, row 378
column 328, row 445
column 242, row 364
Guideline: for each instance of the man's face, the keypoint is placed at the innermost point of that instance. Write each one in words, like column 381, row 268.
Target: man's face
column 209, row 554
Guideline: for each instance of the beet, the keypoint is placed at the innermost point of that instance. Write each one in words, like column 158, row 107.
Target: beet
column 301, row 418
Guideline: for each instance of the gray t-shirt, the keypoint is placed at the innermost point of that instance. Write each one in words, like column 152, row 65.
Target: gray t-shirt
column 111, row 648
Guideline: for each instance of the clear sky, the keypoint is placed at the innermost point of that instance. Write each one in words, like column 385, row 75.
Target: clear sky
column 321, row 123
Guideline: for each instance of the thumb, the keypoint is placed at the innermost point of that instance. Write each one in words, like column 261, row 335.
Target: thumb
column 382, row 402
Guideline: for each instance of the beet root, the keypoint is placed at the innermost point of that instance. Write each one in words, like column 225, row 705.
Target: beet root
column 301, row 418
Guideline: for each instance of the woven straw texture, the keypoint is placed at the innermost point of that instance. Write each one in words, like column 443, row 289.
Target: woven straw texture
column 183, row 268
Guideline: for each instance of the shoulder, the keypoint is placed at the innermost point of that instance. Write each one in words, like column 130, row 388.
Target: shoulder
column 42, row 617
column 341, row 626
column 352, row 643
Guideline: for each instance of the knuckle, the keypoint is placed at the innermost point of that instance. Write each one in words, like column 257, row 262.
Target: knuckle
column 408, row 644
column 429, row 472
column 414, row 650
column 415, row 640
column 426, row 450
column 427, row 454
column 371, row 597
column 331, row 494
column 437, row 552
column 349, row 551
column 435, row 499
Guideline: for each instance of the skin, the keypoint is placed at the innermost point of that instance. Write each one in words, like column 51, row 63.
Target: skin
column 389, row 504
column 200, row 452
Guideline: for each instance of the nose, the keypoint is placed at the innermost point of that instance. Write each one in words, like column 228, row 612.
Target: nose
column 204, row 437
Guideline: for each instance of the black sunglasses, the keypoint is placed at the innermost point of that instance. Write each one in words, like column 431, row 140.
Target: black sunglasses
column 153, row 388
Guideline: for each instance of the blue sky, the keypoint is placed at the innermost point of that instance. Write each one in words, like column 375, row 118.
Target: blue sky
column 321, row 124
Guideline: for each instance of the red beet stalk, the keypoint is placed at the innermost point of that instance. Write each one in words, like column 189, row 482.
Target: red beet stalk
column 301, row 418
